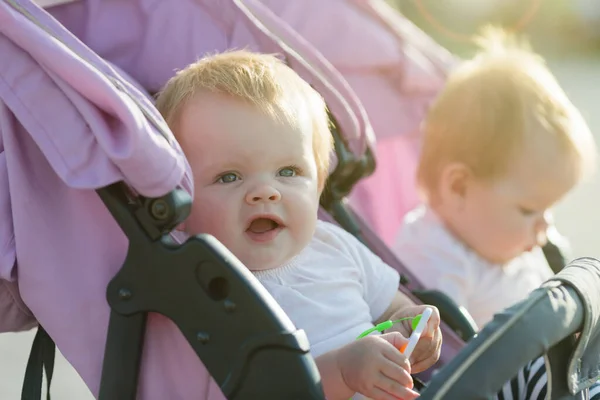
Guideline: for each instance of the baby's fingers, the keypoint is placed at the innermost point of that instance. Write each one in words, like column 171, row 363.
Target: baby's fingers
column 433, row 324
column 395, row 339
column 390, row 389
column 397, row 373
column 425, row 355
column 380, row 394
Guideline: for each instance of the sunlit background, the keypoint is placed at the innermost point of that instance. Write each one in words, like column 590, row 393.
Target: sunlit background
column 566, row 32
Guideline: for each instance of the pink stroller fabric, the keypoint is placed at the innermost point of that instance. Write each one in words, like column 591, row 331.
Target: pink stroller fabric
column 396, row 71
column 66, row 129
column 128, row 35
column 72, row 120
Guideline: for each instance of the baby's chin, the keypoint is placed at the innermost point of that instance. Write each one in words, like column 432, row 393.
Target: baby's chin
column 499, row 257
column 504, row 258
column 259, row 267
column 256, row 264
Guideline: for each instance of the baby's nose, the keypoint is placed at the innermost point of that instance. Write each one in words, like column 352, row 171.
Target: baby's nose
column 541, row 238
column 541, row 229
column 263, row 193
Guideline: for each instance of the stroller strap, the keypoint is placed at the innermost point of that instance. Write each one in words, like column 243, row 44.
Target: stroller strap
column 41, row 358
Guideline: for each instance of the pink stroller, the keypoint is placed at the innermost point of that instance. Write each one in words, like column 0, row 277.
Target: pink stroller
column 93, row 183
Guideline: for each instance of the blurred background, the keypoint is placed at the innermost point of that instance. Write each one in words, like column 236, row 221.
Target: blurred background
column 565, row 32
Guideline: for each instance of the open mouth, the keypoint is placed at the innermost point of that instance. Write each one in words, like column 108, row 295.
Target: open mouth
column 262, row 225
column 264, row 228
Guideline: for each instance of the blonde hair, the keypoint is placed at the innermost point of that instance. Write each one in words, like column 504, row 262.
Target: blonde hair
column 263, row 81
column 485, row 112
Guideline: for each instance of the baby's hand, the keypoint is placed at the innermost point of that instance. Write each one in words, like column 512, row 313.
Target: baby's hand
column 374, row 367
column 427, row 351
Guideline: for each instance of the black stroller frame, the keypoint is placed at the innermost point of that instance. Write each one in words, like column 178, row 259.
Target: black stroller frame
column 246, row 342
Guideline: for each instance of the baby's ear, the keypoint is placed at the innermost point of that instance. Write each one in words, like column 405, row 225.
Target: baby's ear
column 454, row 182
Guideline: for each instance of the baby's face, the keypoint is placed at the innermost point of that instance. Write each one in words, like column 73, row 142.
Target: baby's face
column 506, row 217
column 255, row 180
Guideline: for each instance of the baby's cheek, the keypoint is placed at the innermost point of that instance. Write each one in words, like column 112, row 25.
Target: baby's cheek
column 519, row 231
column 209, row 216
column 304, row 216
column 503, row 228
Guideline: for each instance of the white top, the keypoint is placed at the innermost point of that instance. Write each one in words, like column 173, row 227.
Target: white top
column 334, row 289
column 441, row 261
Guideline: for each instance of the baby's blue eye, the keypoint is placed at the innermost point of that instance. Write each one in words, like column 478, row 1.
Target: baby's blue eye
column 228, row 178
column 287, row 172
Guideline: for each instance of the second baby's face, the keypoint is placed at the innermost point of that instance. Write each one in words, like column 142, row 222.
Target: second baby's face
column 508, row 216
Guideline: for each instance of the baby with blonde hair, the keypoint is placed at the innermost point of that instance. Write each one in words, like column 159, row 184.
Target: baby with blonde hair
column 257, row 139
column 502, row 144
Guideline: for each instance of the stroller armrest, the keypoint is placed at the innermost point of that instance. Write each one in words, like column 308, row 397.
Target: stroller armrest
column 583, row 276
column 548, row 317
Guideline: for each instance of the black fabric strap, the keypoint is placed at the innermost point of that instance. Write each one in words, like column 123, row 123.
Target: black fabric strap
column 41, row 358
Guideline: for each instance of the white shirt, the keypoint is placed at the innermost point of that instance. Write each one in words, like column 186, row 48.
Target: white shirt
column 334, row 289
column 441, row 261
